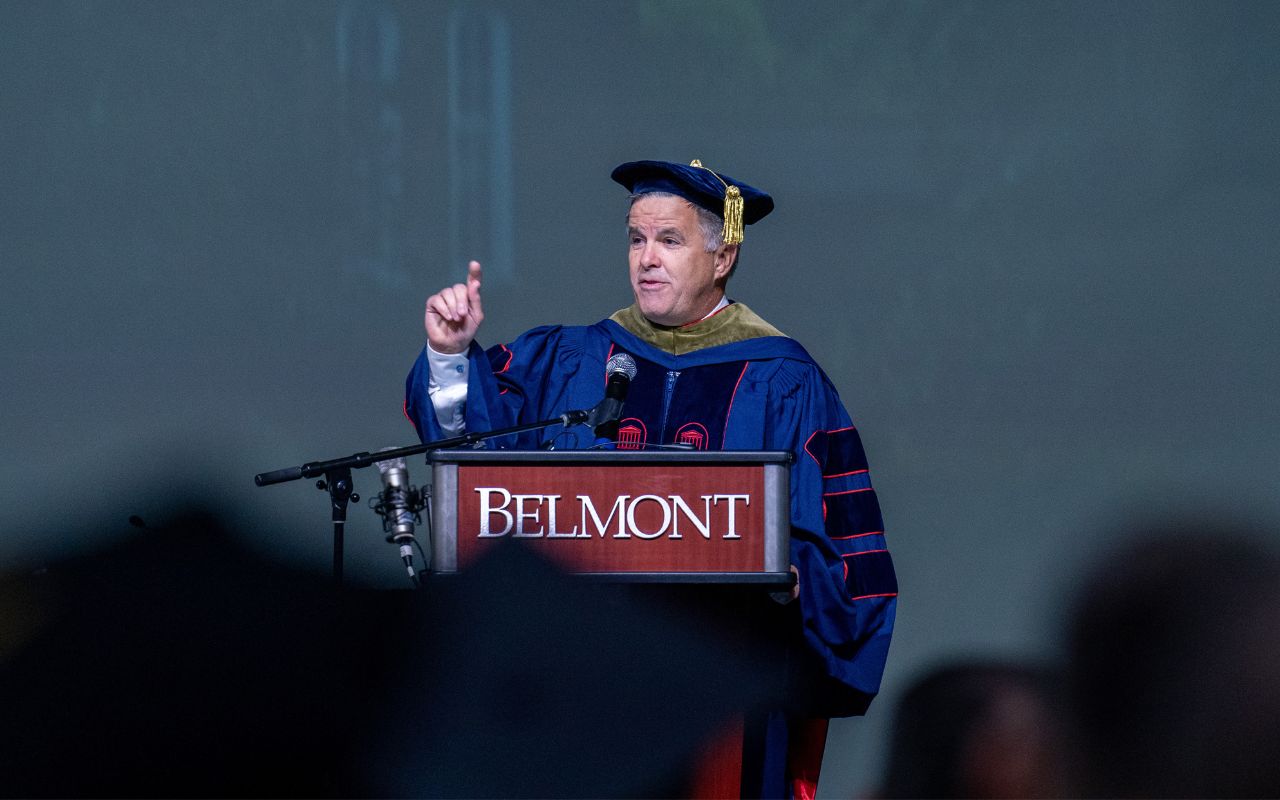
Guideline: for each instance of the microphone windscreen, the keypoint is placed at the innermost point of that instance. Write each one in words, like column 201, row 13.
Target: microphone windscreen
column 389, row 464
column 621, row 363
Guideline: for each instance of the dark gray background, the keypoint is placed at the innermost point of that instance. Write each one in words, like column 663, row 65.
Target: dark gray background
column 1033, row 243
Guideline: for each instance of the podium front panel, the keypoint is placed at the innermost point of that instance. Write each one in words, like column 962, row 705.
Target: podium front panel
column 652, row 516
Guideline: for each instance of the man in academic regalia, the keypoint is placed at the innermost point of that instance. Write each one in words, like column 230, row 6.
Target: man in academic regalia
column 713, row 375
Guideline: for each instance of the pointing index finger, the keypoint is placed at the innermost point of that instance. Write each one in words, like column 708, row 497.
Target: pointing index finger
column 473, row 283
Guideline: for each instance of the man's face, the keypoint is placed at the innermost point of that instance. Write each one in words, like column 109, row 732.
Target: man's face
column 675, row 280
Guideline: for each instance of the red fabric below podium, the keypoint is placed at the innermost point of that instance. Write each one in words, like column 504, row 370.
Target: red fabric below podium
column 804, row 757
column 719, row 770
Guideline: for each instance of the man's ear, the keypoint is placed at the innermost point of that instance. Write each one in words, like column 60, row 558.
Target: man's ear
column 725, row 257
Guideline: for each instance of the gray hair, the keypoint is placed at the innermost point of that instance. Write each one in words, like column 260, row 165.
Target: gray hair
column 712, row 226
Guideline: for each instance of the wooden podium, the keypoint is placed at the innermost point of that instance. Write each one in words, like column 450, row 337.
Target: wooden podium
column 649, row 517
column 713, row 527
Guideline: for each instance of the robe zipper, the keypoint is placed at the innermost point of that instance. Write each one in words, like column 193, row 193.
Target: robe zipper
column 666, row 401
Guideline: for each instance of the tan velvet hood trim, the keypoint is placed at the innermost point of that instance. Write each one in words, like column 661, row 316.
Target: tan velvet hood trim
column 733, row 323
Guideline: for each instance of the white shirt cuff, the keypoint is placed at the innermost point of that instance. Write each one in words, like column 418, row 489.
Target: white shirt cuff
column 447, row 388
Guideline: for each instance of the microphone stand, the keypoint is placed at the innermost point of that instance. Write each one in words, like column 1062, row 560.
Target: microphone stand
column 337, row 472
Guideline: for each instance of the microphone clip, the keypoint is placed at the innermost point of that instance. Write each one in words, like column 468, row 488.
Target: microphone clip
column 400, row 511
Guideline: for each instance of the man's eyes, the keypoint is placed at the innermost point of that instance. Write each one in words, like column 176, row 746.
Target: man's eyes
column 670, row 241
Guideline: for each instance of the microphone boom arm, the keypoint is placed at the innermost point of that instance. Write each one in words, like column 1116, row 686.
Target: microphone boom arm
column 315, row 469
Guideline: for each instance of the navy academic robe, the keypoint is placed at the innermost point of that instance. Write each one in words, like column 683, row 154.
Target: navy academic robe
column 765, row 393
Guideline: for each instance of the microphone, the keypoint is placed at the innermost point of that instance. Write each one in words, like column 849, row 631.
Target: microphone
column 604, row 417
column 397, row 505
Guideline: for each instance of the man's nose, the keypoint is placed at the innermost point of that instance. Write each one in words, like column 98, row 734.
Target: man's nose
column 649, row 256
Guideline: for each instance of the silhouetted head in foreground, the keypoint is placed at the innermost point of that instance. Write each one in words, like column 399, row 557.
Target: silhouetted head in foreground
column 974, row 729
column 1173, row 676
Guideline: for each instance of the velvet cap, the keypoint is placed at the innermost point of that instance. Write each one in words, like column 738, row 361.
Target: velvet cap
column 697, row 184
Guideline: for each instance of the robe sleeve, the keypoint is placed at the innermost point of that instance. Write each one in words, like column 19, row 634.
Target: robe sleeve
column 848, row 587
column 507, row 385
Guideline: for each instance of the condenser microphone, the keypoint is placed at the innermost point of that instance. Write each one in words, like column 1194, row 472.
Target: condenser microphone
column 397, row 508
column 621, row 368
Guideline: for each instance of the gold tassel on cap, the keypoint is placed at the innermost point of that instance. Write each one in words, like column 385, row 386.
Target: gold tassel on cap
column 733, row 216
column 732, row 232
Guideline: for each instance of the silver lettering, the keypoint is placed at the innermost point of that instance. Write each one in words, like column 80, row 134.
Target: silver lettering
column 487, row 510
column 533, row 516
column 553, row 510
column 631, row 516
column 703, row 525
column 619, row 507
column 733, row 524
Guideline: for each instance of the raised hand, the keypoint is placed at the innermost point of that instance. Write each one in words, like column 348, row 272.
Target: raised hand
column 454, row 314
